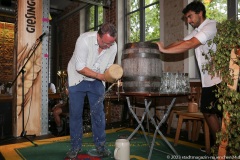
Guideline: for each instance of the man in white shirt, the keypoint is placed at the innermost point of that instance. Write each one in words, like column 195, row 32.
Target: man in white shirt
column 204, row 31
column 94, row 53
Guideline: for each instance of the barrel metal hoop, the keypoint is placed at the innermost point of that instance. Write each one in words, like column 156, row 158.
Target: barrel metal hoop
column 141, row 78
column 141, row 89
column 141, row 45
column 141, row 55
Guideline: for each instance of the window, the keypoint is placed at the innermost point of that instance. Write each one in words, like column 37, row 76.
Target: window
column 216, row 9
column 238, row 9
column 142, row 20
column 94, row 18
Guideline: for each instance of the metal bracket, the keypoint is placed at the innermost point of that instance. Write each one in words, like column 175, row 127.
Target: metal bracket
column 105, row 3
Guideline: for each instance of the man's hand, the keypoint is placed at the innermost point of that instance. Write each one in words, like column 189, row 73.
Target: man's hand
column 160, row 46
column 101, row 77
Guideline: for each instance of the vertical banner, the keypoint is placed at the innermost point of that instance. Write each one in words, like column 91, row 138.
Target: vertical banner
column 29, row 59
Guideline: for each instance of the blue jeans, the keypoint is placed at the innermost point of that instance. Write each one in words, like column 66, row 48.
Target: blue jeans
column 95, row 91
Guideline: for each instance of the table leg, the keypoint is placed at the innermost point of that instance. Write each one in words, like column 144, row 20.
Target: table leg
column 139, row 122
column 179, row 126
column 207, row 137
column 158, row 126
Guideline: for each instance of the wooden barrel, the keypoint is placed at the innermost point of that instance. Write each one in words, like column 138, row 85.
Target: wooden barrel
column 142, row 67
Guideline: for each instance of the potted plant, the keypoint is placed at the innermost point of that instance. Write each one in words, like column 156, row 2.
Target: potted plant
column 228, row 41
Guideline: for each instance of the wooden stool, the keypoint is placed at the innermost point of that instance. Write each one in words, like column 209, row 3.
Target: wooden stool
column 174, row 110
column 194, row 96
column 185, row 115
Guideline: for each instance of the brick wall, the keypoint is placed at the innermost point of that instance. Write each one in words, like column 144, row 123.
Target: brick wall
column 111, row 13
column 67, row 34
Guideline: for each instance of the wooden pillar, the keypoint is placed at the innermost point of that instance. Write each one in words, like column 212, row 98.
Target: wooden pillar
column 29, row 29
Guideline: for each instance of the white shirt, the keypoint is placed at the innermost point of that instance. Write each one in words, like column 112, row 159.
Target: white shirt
column 205, row 33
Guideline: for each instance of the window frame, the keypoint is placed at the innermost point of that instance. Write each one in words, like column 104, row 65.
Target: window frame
column 96, row 24
column 142, row 25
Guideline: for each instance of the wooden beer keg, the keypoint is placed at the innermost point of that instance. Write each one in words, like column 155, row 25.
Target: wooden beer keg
column 113, row 73
column 142, row 67
column 192, row 107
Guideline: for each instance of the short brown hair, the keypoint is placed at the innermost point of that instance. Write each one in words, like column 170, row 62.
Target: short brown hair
column 195, row 6
column 107, row 28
